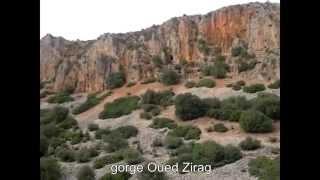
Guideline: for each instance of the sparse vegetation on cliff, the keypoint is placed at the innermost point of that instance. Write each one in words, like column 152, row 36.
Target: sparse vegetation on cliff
column 116, row 80
column 119, row 107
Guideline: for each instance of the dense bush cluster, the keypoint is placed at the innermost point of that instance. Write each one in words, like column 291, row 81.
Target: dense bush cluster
column 91, row 101
column 159, row 123
column 187, row 132
column 255, row 121
column 163, row 98
column 116, row 80
column 265, row 168
column 60, row 97
column 218, row 70
column 254, row 88
column 188, row 106
column 49, row 169
column 119, row 107
column 172, row 142
column 209, row 83
column 190, row 84
column 207, row 153
column 148, row 175
column 169, row 77
column 250, row 144
column 268, row 104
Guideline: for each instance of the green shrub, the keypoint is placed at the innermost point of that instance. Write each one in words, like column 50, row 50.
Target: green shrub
column 115, row 142
column 85, row 154
column 116, row 80
column 146, row 115
column 159, row 123
column 246, row 66
column 250, row 144
column 190, row 84
column 89, row 103
column 172, row 142
column 55, row 115
column 254, row 88
column 241, row 83
column 131, row 156
column 100, row 132
column 60, row 97
column 203, row 47
column 238, row 51
column 212, row 102
column 93, row 127
column 187, row 132
column 231, row 154
column 188, row 106
column 218, row 70
column 118, row 176
column 169, row 77
column 68, row 123
column 119, row 107
column 153, row 109
column 255, row 121
column 265, row 168
column 126, row 131
column 220, row 128
column 268, row 104
column 107, row 159
column 50, row 130
column 49, row 169
column 274, row 85
column 148, row 175
column 163, row 98
column 86, row 173
column 209, row 83
column 66, row 155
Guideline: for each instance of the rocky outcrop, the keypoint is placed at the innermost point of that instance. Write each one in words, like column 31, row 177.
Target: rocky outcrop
column 84, row 65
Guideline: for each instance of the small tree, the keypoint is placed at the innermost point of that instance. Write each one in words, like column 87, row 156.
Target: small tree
column 189, row 106
column 49, row 169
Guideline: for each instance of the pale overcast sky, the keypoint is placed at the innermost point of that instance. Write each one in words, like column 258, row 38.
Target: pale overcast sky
column 88, row 19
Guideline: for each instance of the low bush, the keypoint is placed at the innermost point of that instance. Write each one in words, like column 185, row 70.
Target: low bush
column 246, row 66
column 119, row 107
column 220, row 128
column 60, row 98
column 49, row 169
column 190, row 84
column 268, row 104
column 163, row 98
column 188, row 106
column 209, row 83
column 250, row 144
column 115, row 142
column 172, row 142
column 131, row 156
column 85, row 154
column 265, row 168
column 255, row 122
column 274, row 85
column 159, row 123
column 93, row 127
column 115, row 80
column 169, row 77
column 89, row 103
column 254, row 88
column 86, row 173
column 187, row 132
column 125, row 131
column 236, row 87
column 66, row 155
column 213, row 103
column 100, row 132
column 241, row 83
column 107, row 159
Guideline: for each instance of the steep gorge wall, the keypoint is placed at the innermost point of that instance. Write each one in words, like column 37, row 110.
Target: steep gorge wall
column 85, row 65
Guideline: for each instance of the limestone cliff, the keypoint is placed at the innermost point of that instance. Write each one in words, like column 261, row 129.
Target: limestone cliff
column 85, row 65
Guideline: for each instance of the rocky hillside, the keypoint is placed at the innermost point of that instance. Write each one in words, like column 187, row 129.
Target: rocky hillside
column 242, row 33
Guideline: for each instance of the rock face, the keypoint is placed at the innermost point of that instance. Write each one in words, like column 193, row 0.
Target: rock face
column 85, row 65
